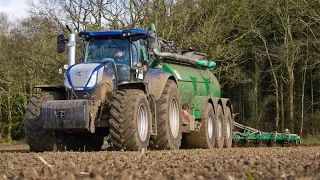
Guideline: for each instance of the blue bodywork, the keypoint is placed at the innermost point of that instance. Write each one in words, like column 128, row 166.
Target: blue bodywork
column 108, row 72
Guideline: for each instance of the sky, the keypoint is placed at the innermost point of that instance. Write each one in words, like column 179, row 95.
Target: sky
column 14, row 8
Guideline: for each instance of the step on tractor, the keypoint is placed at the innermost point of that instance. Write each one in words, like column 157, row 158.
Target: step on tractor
column 139, row 90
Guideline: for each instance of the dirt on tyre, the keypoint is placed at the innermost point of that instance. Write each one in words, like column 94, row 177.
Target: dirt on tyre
column 205, row 137
column 219, row 137
column 130, row 121
column 227, row 128
column 38, row 138
column 169, row 122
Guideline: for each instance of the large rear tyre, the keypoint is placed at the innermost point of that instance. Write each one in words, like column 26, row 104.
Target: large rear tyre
column 219, row 137
column 38, row 138
column 130, row 121
column 205, row 138
column 169, row 122
column 227, row 128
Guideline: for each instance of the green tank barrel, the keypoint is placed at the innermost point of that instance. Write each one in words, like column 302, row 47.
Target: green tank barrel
column 193, row 82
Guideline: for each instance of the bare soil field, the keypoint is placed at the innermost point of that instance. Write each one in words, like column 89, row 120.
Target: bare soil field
column 236, row 163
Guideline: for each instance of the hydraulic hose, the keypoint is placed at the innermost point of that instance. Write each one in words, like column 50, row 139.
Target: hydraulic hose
column 185, row 59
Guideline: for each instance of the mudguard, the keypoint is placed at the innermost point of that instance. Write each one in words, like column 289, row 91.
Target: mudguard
column 134, row 85
column 226, row 102
column 156, row 80
column 200, row 105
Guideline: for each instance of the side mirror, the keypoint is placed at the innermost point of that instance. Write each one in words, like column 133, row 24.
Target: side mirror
column 60, row 43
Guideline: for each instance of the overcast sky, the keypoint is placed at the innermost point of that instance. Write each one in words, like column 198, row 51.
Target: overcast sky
column 14, row 8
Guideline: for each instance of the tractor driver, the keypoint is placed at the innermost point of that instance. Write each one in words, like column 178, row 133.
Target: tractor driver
column 121, row 56
column 123, row 65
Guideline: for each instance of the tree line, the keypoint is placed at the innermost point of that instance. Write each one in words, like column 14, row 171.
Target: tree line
column 267, row 52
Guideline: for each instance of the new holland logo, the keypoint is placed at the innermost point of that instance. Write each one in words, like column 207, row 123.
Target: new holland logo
column 79, row 73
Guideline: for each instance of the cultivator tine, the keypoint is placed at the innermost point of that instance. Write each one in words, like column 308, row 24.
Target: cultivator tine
column 250, row 136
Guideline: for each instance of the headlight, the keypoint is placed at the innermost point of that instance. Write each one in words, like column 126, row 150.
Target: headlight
column 92, row 80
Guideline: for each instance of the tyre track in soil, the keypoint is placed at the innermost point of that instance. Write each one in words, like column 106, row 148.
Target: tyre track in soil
column 235, row 163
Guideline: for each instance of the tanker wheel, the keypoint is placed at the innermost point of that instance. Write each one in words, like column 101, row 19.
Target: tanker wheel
column 130, row 121
column 169, row 132
column 204, row 138
column 219, row 137
column 227, row 128
column 38, row 138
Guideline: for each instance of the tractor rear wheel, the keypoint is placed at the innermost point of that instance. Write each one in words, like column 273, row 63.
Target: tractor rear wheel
column 205, row 138
column 130, row 121
column 219, row 137
column 169, row 122
column 38, row 138
column 227, row 128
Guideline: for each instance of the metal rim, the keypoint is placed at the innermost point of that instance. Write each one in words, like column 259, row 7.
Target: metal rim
column 220, row 127
column 174, row 117
column 228, row 128
column 210, row 127
column 143, row 123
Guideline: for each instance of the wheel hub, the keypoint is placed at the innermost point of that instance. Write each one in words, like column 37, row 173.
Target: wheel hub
column 174, row 117
column 220, row 128
column 228, row 129
column 143, row 123
column 210, row 128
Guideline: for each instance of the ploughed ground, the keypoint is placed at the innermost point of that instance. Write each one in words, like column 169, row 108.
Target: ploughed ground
column 236, row 163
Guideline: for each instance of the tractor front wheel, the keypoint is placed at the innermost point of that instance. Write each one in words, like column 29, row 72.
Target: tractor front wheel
column 38, row 138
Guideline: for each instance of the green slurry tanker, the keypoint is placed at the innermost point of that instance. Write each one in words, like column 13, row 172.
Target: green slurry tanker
column 139, row 90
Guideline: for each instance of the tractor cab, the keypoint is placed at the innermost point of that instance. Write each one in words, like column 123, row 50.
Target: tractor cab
column 126, row 49
column 122, row 51
column 105, row 46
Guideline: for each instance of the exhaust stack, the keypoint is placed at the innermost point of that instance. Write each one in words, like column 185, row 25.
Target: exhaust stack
column 71, row 47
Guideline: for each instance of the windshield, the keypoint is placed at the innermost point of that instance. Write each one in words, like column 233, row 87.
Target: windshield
column 99, row 50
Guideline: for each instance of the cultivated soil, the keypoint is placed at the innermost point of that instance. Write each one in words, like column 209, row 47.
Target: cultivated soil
column 236, row 163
